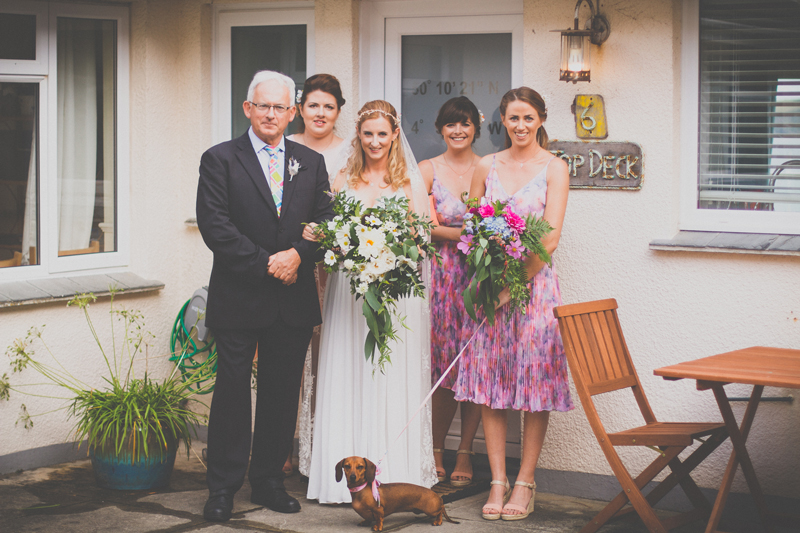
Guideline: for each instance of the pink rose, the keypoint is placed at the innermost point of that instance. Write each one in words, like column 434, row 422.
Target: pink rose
column 514, row 221
column 486, row 210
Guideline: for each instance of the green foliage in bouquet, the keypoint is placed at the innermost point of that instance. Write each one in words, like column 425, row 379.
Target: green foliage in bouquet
column 381, row 249
column 496, row 242
column 129, row 410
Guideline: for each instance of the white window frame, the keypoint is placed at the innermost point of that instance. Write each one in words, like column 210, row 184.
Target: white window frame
column 692, row 217
column 260, row 14
column 50, row 264
column 380, row 65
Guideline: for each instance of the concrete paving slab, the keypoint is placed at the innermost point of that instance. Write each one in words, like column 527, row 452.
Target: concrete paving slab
column 65, row 499
column 100, row 520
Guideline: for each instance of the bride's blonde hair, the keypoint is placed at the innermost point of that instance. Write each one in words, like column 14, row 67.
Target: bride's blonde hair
column 397, row 175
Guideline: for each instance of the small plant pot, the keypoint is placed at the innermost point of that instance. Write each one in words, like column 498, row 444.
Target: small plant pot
column 122, row 471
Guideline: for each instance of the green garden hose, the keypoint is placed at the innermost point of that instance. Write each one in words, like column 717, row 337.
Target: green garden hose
column 191, row 357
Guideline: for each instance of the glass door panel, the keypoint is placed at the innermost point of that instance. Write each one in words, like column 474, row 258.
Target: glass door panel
column 254, row 48
column 437, row 68
column 19, row 171
column 248, row 40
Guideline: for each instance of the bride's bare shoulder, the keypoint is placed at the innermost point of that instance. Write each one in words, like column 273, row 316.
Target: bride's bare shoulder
column 339, row 182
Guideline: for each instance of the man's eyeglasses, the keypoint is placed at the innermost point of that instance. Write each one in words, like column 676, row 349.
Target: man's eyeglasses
column 263, row 108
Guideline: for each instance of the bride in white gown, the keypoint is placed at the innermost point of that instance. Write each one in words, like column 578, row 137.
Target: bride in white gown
column 359, row 412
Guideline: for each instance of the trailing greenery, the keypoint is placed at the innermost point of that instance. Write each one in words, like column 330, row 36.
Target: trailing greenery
column 129, row 411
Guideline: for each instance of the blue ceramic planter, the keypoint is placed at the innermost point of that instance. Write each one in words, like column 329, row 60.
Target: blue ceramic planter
column 119, row 472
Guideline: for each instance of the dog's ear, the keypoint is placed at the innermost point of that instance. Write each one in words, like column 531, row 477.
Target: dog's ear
column 369, row 474
column 339, row 470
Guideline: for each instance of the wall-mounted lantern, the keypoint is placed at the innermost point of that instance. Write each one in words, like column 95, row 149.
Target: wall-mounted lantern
column 576, row 62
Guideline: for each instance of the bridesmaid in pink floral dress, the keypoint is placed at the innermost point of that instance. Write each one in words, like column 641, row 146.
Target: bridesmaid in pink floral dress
column 519, row 363
column 448, row 179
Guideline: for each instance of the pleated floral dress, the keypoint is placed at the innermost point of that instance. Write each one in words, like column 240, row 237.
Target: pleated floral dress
column 448, row 281
column 519, row 362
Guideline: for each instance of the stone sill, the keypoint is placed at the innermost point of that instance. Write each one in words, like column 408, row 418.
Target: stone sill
column 737, row 243
column 41, row 291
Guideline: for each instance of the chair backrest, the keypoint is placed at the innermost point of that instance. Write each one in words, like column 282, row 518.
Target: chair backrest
column 597, row 354
column 16, row 260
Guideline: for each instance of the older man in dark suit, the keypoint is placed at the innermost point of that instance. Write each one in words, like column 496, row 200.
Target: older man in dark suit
column 254, row 196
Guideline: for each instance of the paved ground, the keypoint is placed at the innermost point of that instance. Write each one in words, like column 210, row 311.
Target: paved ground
column 65, row 499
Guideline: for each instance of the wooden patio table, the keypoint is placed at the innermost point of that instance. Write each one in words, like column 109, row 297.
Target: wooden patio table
column 758, row 366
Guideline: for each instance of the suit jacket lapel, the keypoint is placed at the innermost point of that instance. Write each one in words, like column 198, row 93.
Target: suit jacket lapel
column 251, row 164
column 288, row 181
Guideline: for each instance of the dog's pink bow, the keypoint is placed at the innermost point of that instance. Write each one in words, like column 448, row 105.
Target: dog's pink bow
column 376, row 484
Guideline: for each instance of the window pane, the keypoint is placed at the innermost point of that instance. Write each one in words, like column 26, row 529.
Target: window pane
column 17, row 36
column 254, row 48
column 749, row 105
column 19, row 109
column 86, row 147
column 437, row 68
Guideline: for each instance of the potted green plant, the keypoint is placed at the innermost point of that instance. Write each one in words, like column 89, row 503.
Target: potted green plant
column 132, row 424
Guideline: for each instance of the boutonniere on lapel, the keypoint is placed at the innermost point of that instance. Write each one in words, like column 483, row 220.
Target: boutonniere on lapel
column 293, row 167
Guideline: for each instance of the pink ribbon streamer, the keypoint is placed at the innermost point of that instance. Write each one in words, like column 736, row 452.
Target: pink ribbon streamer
column 428, row 397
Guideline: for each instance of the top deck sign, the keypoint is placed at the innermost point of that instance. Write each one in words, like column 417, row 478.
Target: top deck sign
column 601, row 165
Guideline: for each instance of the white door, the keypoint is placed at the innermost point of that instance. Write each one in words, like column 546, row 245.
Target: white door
column 419, row 62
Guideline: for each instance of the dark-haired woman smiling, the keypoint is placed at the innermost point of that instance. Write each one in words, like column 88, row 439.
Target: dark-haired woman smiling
column 447, row 177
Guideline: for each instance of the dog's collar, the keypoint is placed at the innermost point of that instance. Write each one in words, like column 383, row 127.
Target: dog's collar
column 357, row 489
column 375, row 485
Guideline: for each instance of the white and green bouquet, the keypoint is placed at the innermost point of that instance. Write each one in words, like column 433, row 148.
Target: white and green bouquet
column 380, row 248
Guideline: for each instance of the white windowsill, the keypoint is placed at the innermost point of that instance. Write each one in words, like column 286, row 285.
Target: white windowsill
column 738, row 243
column 40, row 291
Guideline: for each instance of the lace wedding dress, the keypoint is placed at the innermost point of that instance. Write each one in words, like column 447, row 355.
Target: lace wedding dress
column 361, row 413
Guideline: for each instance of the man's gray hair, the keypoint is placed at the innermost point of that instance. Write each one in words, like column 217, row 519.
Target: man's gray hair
column 269, row 75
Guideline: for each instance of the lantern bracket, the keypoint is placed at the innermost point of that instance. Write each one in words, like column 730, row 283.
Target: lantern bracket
column 597, row 24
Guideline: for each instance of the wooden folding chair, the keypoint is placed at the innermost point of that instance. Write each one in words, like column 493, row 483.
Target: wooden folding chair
column 600, row 362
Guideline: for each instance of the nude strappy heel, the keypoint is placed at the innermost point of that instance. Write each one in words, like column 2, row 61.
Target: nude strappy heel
column 494, row 506
column 523, row 513
column 441, row 475
column 458, row 473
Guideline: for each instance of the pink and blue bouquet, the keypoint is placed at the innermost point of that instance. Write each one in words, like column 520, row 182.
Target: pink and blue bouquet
column 497, row 241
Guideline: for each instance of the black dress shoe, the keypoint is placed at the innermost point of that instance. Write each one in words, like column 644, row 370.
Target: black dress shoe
column 219, row 506
column 272, row 495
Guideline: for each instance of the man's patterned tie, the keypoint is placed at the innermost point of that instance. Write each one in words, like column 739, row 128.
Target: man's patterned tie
column 275, row 179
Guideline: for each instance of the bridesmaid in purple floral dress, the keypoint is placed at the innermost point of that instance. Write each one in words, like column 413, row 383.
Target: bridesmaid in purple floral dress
column 448, row 179
column 519, row 363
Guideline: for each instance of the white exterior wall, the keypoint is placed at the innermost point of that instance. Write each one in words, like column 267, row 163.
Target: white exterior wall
column 674, row 306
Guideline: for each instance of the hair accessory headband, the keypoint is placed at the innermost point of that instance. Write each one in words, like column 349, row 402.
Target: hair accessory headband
column 299, row 96
column 481, row 117
column 382, row 112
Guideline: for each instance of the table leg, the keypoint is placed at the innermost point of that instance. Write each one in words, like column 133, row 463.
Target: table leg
column 738, row 435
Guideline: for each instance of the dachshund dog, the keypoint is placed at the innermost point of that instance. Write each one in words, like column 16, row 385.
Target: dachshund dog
column 394, row 497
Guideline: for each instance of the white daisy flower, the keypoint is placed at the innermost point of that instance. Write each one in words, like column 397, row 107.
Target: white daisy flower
column 330, row 258
column 370, row 243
